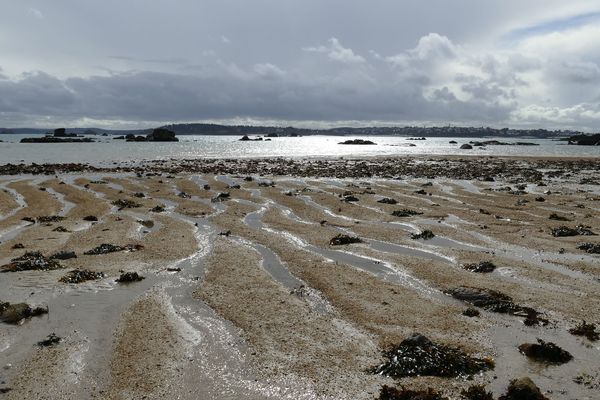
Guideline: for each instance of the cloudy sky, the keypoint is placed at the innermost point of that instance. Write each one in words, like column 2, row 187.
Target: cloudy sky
column 139, row 63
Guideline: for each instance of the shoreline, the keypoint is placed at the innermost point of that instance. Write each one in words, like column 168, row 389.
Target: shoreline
column 271, row 309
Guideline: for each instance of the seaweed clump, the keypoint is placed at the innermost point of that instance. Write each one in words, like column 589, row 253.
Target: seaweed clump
column 405, row 212
column 419, row 356
column 392, row 393
column 128, row 277
column 545, row 352
column 29, row 261
column 425, row 235
column 579, row 230
column 387, row 200
column 340, row 240
column 51, row 340
column 124, row 203
column 482, row 267
column 587, row 330
column 81, row 275
column 106, row 248
column 591, row 248
column 494, row 301
column 476, row 392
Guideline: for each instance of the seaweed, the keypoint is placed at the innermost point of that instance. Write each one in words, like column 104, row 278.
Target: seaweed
column 340, row 240
column 425, row 235
column 476, row 392
column 419, row 356
column 405, row 212
column 128, row 277
column 522, row 389
column 587, row 330
column 81, row 275
column 33, row 260
column 124, row 203
column 392, row 393
column 482, row 267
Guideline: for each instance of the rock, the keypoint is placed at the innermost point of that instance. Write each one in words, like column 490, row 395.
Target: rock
column 245, row 138
column 206, row 187
column 28, row 219
column 585, row 140
column 405, row 212
column 124, row 203
column 139, row 195
column 563, row 231
column 51, row 340
column 220, row 197
column 357, row 141
column 90, row 218
column 522, row 389
column 587, row 330
column 81, row 275
column 350, row 199
column 63, row 255
column 540, row 199
column 419, row 356
column 18, row 246
column 340, row 240
column 31, row 261
column 482, row 267
column 157, row 209
column 425, row 235
column 466, row 147
column 494, row 301
column 184, row 195
column 128, row 277
column 453, row 142
column 226, row 233
column 591, row 248
column 391, row 393
column 15, row 314
column 420, row 191
column 61, row 229
column 545, row 352
column 161, row 135
column 387, row 200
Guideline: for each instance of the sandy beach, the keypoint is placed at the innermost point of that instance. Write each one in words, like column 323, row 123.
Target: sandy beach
column 244, row 295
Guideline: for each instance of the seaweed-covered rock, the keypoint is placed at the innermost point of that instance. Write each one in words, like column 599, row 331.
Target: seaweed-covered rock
column 51, row 340
column 33, row 260
column 106, row 248
column 184, row 195
column 157, row 209
column 425, row 235
column 18, row 312
column 387, row 200
column 350, row 198
column 476, row 392
column 579, row 230
column 18, row 246
column 482, row 267
column 63, row 255
column 494, row 301
column 340, row 240
column 588, row 330
column 124, row 203
column 592, row 248
column 419, row 356
column 392, row 393
column 128, row 277
column 545, row 352
column 81, row 275
column 90, row 218
column 220, row 197
column 523, row 389
column 357, row 141
column 61, row 229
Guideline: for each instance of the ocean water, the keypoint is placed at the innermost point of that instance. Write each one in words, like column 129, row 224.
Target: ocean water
column 107, row 150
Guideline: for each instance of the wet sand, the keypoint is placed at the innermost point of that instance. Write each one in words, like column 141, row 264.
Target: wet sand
column 271, row 310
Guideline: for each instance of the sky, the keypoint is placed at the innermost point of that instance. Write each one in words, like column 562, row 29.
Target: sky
column 314, row 63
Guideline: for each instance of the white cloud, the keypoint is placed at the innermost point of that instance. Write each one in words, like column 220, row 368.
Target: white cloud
column 337, row 52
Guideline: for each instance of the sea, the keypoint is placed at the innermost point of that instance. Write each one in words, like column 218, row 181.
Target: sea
column 106, row 150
